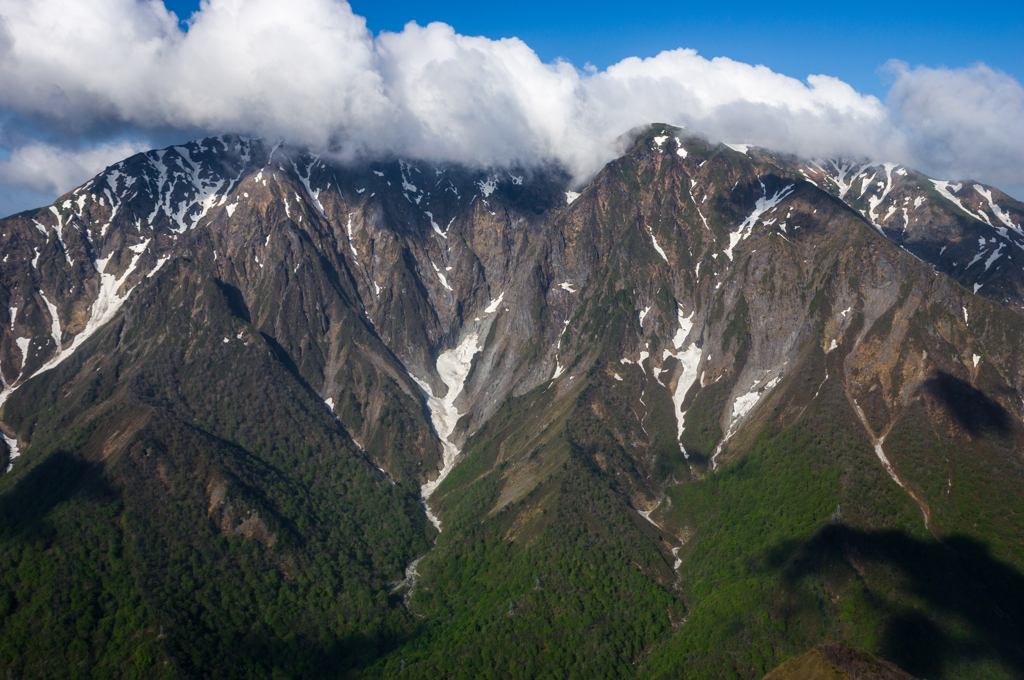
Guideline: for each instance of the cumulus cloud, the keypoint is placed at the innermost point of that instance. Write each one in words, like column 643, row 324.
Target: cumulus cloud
column 48, row 168
column 310, row 72
column 961, row 122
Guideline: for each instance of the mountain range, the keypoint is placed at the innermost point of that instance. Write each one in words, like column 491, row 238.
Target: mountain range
column 272, row 414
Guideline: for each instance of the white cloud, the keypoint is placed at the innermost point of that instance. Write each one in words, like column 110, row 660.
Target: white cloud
column 49, row 168
column 310, row 72
column 961, row 123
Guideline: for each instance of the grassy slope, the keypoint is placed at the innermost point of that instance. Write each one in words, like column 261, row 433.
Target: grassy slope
column 769, row 573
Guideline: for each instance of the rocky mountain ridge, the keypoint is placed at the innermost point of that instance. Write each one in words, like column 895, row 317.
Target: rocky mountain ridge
column 498, row 343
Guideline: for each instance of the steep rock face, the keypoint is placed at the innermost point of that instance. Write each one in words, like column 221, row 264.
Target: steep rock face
column 232, row 326
column 309, row 254
column 967, row 230
column 351, row 273
column 758, row 292
column 715, row 289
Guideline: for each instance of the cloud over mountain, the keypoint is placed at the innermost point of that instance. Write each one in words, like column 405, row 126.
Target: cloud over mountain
column 84, row 75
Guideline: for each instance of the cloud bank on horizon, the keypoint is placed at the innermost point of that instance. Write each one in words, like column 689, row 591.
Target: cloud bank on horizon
column 83, row 85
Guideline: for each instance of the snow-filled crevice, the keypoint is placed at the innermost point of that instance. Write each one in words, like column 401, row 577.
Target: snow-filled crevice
column 436, row 227
column 689, row 358
column 314, row 195
column 12, row 444
column 452, row 367
column 658, row 248
column 946, row 190
column 559, row 368
column 763, row 205
column 877, row 441
column 351, row 239
column 646, row 514
column 441, row 277
column 741, row 407
column 843, row 170
column 200, row 195
column 104, row 307
column 875, row 201
column 994, row 207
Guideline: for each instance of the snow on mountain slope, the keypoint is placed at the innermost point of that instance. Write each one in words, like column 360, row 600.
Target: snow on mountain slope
column 964, row 229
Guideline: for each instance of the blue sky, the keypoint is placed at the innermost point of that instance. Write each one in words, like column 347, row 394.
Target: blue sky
column 847, row 40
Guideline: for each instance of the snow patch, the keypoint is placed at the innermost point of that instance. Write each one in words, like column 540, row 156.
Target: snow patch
column 570, row 196
column 689, row 359
column 996, row 210
column 23, row 345
column 763, row 205
column 159, row 263
column 656, row 246
column 351, row 242
column 434, row 224
column 444, row 281
column 743, row 405
column 314, row 195
column 452, row 367
column 493, row 307
column 944, row 188
column 875, row 201
column 106, row 305
column 559, row 370
column 487, row 186
column 994, row 256
column 12, row 444
column 643, row 314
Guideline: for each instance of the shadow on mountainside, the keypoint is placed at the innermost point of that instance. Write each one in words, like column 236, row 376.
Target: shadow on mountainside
column 969, row 407
column 61, row 475
column 266, row 652
column 956, row 581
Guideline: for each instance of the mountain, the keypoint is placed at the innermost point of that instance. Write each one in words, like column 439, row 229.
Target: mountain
column 271, row 413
